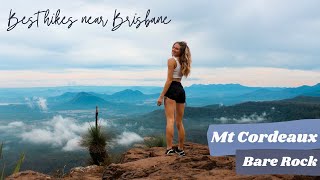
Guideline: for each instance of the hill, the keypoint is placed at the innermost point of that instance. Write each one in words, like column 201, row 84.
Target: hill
column 200, row 94
column 84, row 98
column 197, row 119
column 303, row 99
column 67, row 96
column 86, row 101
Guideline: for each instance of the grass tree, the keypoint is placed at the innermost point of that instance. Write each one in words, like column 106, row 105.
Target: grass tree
column 95, row 140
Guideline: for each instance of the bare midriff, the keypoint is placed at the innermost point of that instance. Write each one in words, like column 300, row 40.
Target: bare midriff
column 176, row 79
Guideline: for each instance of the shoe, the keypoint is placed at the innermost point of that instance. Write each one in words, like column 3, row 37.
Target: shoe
column 170, row 151
column 180, row 152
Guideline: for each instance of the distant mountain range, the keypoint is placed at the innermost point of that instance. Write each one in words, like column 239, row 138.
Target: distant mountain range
column 279, row 110
column 197, row 95
column 128, row 96
column 17, row 95
column 198, row 119
column 228, row 94
column 134, row 101
column 219, row 104
column 121, row 102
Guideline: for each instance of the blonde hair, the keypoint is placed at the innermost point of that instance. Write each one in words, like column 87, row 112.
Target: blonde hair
column 185, row 58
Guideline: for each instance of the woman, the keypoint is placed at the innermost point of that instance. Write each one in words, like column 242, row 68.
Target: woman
column 174, row 95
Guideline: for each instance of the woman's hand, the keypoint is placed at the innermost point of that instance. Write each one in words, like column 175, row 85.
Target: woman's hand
column 160, row 99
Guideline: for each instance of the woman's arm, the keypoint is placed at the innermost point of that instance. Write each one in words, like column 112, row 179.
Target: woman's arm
column 171, row 64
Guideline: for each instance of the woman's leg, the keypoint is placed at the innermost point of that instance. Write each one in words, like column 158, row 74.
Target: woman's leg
column 170, row 106
column 179, row 118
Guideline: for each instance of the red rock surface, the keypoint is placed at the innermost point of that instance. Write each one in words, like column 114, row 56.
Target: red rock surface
column 86, row 173
column 151, row 163
column 29, row 175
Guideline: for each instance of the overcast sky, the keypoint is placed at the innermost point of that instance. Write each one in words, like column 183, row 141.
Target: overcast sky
column 254, row 43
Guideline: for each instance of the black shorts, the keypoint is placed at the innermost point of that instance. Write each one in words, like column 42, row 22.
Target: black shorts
column 176, row 92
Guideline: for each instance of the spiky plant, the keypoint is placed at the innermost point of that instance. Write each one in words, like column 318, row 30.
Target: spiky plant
column 1, row 145
column 95, row 140
column 17, row 168
column 19, row 163
column 2, row 173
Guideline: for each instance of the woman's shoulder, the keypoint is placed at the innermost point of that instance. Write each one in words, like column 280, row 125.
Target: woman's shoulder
column 172, row 62
column 171, row 59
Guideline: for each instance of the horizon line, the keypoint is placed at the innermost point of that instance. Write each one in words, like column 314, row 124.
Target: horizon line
column 62, row 86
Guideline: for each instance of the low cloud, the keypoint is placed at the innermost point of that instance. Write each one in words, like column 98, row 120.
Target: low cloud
column 37, row 102
column 12, row 125
column 63, row 132
column 15, row 124
column 253, row 118
column 59, row 132
column 42, row 103
column 72, row 144
column 127, row 138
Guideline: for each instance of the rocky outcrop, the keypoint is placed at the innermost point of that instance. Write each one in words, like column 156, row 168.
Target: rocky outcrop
column 93, row 172
column 28, row 175
column 151, row 163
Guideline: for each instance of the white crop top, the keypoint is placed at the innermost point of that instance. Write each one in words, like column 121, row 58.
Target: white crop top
column 177, row 71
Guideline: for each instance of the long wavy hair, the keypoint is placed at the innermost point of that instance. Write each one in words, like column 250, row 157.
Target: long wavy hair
column 185, row 58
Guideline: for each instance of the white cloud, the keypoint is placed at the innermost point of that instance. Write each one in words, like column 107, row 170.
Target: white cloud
column 255, row 76
column 40, row 136
column 83, row 45
column 222, row 30
column 42, row 103
column 253, row 118
column 29, row 102
column 25, row 51
column 127, row 138
column 15, row 125
column 59, row 132
column 228, row 34
column 38, row 102
column 72, row 145
column 63, row 132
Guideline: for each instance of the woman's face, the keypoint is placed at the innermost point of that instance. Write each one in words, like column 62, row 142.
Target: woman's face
column 176, row 50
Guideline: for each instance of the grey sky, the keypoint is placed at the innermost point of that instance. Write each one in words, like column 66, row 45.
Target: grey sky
column 229, row 34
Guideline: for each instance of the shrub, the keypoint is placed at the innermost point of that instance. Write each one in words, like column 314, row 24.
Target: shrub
column 114, row 158
column 95, row 140
column 155, row 141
